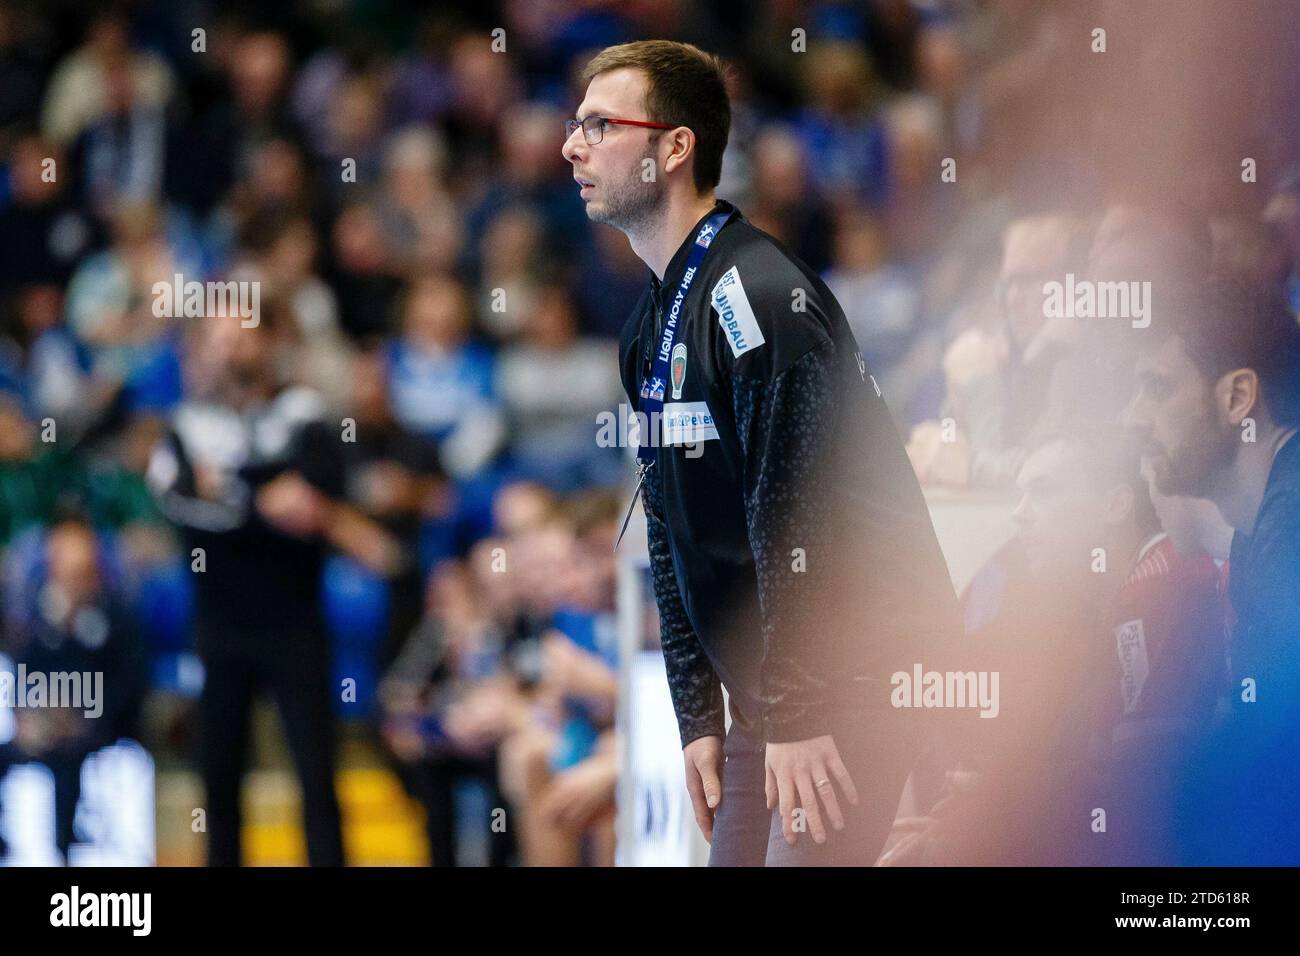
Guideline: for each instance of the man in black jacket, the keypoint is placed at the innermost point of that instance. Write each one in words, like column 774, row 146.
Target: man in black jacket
column 253, row 477
column 793, row 557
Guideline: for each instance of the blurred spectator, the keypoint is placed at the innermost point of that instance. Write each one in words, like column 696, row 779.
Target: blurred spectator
column 484, row 85
column 454, row 648
column 363, row 272
column 130, row 350
column 21, row 70
column 998, row 378
column 919, row 216
column 510, row 265
column 421, row 222
column 222, row 148
column 277, row 187
column 845, row 140
column 779, row 201
column 559, row 769
column 553, row 385
column 1100, row 713
column 882, row 303
column 510, row 671
column 40, row 476
column 318, row 354
column 531, row 175
column 441, row 383
column 119, row 157
column 354, row 125
column 891, row 35
column 43, row 230
column 1217, row 408
column 1171, row 250
column 81, row 91
column 1162, row 609
column 941, row 68
column 393, row 477
column 79, row 633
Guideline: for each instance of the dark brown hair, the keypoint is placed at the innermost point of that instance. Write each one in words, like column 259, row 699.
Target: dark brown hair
column 1227, row 323
column 685, row 87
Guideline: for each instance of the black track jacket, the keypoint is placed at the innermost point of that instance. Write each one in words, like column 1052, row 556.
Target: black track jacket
column 791, row 550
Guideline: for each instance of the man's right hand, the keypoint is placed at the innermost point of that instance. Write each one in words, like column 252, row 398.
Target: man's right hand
column 704, row 759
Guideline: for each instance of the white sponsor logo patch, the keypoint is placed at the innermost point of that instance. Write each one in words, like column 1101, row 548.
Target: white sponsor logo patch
column 686, row 422
column 1131, row 641
column 735, row 315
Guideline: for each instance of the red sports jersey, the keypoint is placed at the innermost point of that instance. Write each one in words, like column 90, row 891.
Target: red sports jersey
column 1167, row 621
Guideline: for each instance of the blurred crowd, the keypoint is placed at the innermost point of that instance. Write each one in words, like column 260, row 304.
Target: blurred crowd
column 385, row 502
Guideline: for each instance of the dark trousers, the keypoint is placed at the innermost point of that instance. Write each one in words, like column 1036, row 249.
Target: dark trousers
column 66, row 768
column 878, row 750
column 433, row 782
column 294, row 668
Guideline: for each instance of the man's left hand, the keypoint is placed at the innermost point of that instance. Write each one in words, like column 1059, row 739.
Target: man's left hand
column 804, row 773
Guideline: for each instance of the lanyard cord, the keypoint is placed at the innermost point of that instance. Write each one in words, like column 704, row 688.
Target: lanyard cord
column 652, row 387
column 653, row 384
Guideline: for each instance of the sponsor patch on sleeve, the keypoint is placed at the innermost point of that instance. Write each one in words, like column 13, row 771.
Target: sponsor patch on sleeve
column 735, row 315
column 687, row 422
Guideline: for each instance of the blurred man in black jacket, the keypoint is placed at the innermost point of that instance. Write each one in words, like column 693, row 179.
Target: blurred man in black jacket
column 253, row 478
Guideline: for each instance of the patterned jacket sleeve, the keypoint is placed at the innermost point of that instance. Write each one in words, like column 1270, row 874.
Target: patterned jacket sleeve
column 785, row 427
column 695, row 688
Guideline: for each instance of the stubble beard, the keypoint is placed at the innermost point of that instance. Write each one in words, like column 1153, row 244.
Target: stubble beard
column 1197, row 466
column 631, row 207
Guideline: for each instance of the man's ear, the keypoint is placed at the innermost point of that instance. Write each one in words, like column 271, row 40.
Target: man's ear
column 1121, row 501
column 1237, row 394
column 681, row 142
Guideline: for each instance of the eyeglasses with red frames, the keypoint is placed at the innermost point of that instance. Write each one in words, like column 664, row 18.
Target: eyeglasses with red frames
column 593, row 127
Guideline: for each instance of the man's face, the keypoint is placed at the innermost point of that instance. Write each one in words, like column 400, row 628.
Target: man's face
column 1186, row 442
column 1034, row 252
column 241, row 356
column 1059, row 518
column 73, row 561
column 615, row 168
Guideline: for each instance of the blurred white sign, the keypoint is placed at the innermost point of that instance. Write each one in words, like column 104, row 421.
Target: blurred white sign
column 660, row 831
column 114, row 821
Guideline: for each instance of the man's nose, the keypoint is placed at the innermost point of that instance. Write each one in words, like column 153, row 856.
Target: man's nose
column 570, row 148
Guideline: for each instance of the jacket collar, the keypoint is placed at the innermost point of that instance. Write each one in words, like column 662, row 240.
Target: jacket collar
column 677, row 265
